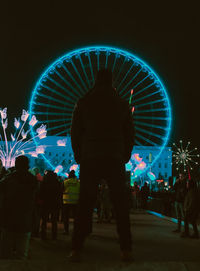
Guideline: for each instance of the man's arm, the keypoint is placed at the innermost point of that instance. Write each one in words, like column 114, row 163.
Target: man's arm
column 76, row 133
column 129, row 135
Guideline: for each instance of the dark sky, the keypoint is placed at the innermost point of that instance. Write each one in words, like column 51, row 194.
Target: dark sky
column 164, row 37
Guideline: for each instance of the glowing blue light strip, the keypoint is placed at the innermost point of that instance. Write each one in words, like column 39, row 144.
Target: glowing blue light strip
column 150, row 125
column 151, row 110
column 71, row 76
column 59, row 126
column 55, row 92
column 52, row 113
column 150, row 103
column 114, row 63
column 146, row 96
column 124, row 78
column 77, row 72
column 54, row 120
column 54, row 99
column 91, row 68
column 69, row 85
column 145, row 139
column 106, row 64
column 131, row 80
column 122, row 66
column 50, row 105
column 63, row 88
column 148, row 132
column 151, row 118
column 135, row 86
column 84, row 71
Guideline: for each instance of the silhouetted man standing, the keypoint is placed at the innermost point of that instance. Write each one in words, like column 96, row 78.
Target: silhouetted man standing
column 102, row 135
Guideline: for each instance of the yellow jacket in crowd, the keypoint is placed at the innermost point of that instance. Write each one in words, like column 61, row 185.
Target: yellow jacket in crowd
column 71, row 191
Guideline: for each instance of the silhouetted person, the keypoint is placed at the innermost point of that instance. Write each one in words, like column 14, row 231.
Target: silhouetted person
column 144, row 195
column 51, row 196
column 180, row 193
column 102, row 135
column 71, row 189
column 18, row 190
column 191, row 210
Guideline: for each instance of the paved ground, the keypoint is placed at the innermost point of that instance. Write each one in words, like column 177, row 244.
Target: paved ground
column 155, row 247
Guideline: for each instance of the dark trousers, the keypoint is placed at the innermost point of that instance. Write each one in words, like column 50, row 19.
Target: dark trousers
column 91, row 173
column 193, row 221
column 69, row 210
column 45, row 217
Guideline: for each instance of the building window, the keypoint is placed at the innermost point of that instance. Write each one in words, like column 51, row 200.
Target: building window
column 49, row 153
column 63, row 154
column 165, row 165
column 166, row 175
column 56, row 155
column 159, row 165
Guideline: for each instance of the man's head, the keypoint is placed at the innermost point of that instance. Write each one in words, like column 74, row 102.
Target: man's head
column 22, row 163
column 181, row 176
column 72, row 174
column 104, row 77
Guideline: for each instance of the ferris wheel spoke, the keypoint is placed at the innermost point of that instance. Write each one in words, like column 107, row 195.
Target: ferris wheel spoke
column 58, row 127
column 54, row 121
column 150, row 125
column 54, row 100
column 135, row 86
column 84, row 71
column 52, row 113
column 124, row 78
column 79, row 76
column 55, row 92
column 50, row 106
column 106, row 64
column 143, row 89
column 148, row 132
column 137, row 142
column 152, row 102
column 152, row 110
column 74, row 98
column 91, row 69
column 146, row 96
column 77, row 94
column 121, row 68
column 130, row 82
column 113, row 67
column 151, row 118
column 146, row 139
column 65, row 132
column 72, row 78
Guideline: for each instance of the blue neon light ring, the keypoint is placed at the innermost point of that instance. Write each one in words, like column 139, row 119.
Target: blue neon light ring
column 73, row 74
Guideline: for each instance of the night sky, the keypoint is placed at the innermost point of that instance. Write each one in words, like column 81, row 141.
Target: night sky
column 166, row 38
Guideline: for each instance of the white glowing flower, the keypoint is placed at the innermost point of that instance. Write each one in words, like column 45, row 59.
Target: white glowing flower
column 24, row 134
column 74, row 167
column 33, row 121
column 24, row 115
column 40, row 150
column 5, row 124
column 58, row 169
column 33, row 154
column 12, row 137
column 62, row 142
column 4, row 113
column 42, row 132
column 17, row 123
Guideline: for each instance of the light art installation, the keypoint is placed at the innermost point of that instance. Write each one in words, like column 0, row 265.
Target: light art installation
column 72, row 75
column 21, row 142
column 184, row 158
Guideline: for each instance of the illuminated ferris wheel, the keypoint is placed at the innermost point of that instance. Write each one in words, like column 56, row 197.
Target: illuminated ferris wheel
column 66, row 80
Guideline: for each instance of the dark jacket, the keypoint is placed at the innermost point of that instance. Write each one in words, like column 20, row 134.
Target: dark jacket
column 180, row 191
column 18, row 190
column 102, row 126
column 191, row 204
column 51, row 192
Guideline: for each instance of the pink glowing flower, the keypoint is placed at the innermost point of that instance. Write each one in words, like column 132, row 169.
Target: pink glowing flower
column 74, row 167
column 62, row 142
column 5, row 124
column 24, row 134
column 24, row 115
column 42, row 132
column 3, row 113
column 33, row 121
column 58, row 169
column 40, row 150
column 17, row 123
column 12, row 137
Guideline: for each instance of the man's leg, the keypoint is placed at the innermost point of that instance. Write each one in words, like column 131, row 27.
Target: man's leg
column 22, row 245
column 66, row 218
column 119, row 196
column 87, row 199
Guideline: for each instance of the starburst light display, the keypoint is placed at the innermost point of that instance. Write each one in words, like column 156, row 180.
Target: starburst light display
column 184, row 158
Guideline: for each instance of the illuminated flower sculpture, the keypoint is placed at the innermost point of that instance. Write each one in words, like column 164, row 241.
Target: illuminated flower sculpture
column 21, row 142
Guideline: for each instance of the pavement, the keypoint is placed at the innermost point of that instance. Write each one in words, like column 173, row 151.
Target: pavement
column 155, row 247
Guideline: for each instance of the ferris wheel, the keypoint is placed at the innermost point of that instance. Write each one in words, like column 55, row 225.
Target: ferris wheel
column 70, row 77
